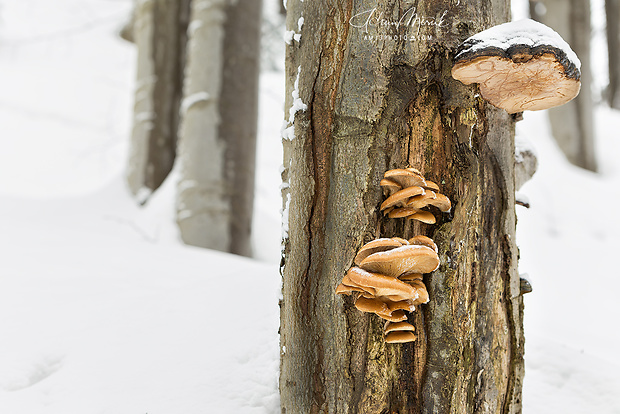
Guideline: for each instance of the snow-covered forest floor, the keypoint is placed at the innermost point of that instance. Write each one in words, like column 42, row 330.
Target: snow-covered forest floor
column 102, row 310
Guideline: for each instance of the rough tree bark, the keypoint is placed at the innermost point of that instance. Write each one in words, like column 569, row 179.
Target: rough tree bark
column 363, row 106
column 572, row 124
column 612, row 11
column 218, row 135
column 159, row 30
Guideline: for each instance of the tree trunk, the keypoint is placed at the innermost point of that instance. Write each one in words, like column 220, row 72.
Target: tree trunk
column 572, row 124
column 239, row 115
column 218, row 133
column 358, row 107
column 612, row 11
column 159, row 31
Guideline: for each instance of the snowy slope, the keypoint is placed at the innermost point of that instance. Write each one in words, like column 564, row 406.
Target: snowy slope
column 104, row 311
column 99, row 318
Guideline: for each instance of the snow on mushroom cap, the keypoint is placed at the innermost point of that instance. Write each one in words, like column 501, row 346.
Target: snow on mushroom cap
column 526, row 32
column 377, row 245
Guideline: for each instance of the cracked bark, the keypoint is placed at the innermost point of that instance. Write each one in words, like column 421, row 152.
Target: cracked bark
column 373, row 105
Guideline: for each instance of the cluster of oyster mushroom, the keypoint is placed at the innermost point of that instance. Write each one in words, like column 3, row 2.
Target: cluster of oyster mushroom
column 387, row 278
column 410, row 194
column 387, row 281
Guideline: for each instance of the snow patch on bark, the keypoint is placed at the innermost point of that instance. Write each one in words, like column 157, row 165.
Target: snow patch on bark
column 298, row 104
column 287, row 132
column 288, row 127
column 290, row 35
column 193, row 27
column 193, row 99
column 285, row 213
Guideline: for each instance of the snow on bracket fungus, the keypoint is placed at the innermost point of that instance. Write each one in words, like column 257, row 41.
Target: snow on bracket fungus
column 522, row 65
column 409, row 193
column 387, row 281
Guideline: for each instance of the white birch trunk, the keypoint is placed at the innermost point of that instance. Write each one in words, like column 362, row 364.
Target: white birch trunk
column 203, row 212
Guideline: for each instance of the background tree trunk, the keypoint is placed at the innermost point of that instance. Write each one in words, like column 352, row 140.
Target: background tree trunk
column 612, row 11
column 160, row 33
column 572, row 124
column 239, row 115
column 218, row 133
column 364, row 106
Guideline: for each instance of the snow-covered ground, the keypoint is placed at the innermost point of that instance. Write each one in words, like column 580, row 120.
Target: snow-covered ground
column 104, row 311
column 569, row 248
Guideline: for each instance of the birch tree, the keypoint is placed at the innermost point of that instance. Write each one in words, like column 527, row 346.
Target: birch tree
column 572, row 124
column 159, row 29
column 218, row 132
column 365, row 94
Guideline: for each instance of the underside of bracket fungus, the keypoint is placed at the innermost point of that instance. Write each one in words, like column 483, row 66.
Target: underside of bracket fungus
column 387, row 281
column 522, row 65
column 409, row 193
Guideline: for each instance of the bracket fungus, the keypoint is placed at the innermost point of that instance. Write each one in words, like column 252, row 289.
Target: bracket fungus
column 522, row 65
column 409, row 193
column 387, row 281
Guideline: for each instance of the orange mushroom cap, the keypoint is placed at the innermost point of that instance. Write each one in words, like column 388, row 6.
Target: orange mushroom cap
column 399, row 337
column 404, row 259
column 377, row 245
